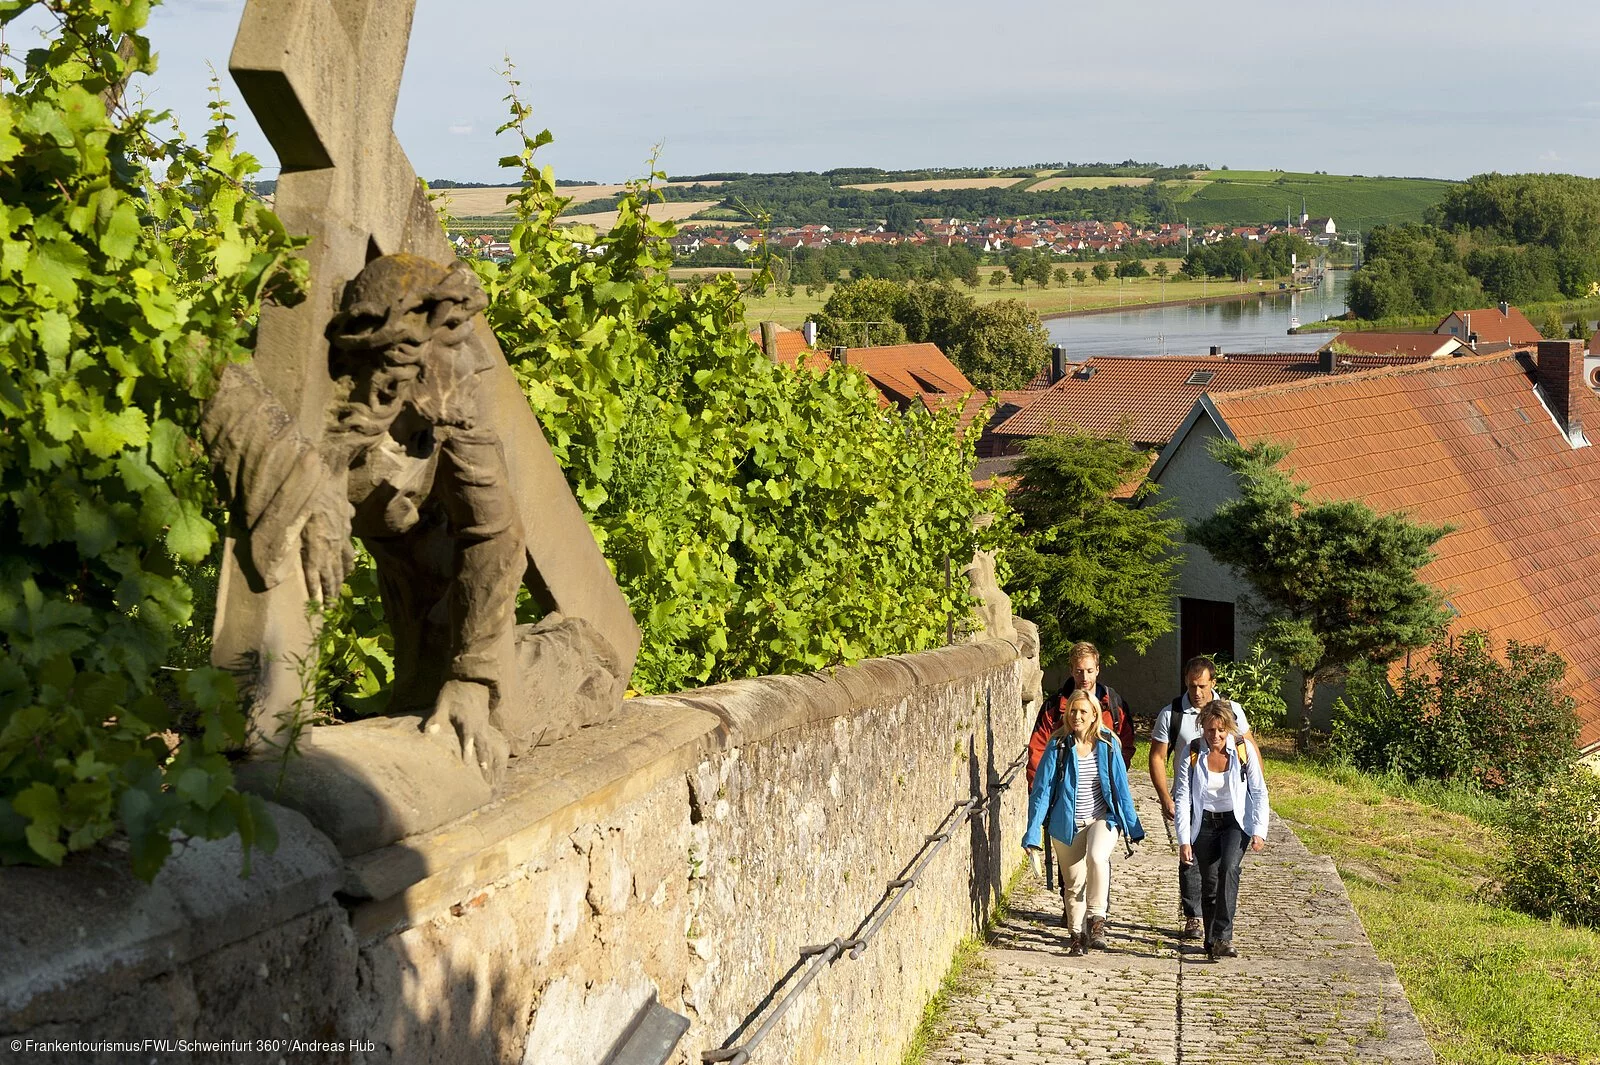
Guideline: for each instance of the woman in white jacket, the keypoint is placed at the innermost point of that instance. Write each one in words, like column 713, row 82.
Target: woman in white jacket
column 1221, row 800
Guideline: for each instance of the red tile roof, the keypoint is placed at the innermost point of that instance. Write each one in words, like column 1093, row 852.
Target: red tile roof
column 903, row 372
column 1465, row 442
column 1426, row 345
column 1492, row 327
column 792, row 348
column 971, row 405
column 1147, row 397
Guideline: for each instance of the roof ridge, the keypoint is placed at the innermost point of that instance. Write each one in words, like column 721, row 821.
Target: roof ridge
column 1322, row 380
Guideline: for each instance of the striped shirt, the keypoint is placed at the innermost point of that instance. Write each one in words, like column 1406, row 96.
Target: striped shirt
column 1091, row 805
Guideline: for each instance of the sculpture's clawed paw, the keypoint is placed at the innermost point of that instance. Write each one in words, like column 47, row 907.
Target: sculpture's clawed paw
column 463, row 711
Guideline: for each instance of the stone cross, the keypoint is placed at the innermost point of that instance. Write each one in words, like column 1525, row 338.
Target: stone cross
column 322, row 77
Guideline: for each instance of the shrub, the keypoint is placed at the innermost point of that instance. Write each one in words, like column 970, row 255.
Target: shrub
column 1552, row 865
column 1464, row 715
column 758, row 517
column 121, row 296
column 1257, row 685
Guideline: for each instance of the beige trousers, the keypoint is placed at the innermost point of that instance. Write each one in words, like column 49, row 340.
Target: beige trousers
column 1085, row 865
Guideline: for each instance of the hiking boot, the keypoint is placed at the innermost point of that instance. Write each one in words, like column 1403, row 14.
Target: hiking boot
column 1097, row 933
column 1075, row 945
column 1194, row 928
column 1223, row 949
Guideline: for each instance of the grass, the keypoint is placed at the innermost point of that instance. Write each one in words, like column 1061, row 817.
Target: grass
column 1490, row 985
column 966, row 967
column 1091, row 295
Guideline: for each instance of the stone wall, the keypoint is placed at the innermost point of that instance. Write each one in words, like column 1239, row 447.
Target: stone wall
column 687, row 851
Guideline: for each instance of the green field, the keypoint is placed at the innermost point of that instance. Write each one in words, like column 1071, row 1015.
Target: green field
column 1237, row 197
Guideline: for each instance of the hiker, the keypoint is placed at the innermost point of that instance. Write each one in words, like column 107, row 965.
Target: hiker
column 1081, row 796
column 1175, row 728
column 1083, row 658
column 1222, row 803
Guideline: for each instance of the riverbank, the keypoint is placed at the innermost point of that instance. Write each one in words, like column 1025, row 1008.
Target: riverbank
column 1071, row 300
column 1570, row 311
column 1196, row 302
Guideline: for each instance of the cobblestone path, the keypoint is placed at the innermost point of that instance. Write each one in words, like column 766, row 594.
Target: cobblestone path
column 1307, row 986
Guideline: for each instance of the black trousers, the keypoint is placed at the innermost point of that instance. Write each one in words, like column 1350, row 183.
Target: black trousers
column 1189, row 888
column 1219, row 852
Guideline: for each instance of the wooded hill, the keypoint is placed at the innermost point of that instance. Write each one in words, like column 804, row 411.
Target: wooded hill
column 1522, row 238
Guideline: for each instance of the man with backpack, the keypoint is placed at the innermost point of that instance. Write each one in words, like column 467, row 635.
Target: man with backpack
column 1175, row 729
column 1083, row 658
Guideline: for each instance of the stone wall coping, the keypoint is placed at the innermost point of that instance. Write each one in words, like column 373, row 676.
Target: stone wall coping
column 552, row 791
column 62, row 926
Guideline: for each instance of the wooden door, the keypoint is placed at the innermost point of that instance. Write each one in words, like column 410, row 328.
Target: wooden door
column 1205, row 627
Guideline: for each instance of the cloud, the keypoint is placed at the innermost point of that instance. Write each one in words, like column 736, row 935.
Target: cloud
column 1549, row 157
column 461, row 129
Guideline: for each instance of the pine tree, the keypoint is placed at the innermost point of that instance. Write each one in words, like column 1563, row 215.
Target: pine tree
column 1087, row 566
column 1337, row 582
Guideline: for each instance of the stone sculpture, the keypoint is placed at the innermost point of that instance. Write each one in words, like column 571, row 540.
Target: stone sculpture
column 381, row 407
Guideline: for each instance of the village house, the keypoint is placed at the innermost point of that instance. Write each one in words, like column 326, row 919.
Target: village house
column 1492, row 445
column 1489, row 329
column 905, row 373
column 1419, row 345
column 1147, row 397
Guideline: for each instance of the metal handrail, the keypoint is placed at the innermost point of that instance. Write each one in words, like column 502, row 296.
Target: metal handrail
column 824, row 954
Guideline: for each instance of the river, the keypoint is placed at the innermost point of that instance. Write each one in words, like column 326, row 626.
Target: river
column 1247, row 324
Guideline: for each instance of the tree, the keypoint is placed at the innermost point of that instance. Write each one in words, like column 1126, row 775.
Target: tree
column 1553, row 327
column 1132, row 268
column 862, row 314
column 1337, row 583
column 936, row 312
column 1062, row 276
column 1409, row 270
column 1079, row 276
column 1039, row 270
column 1089, row 567
column 1102, row 272
column 997, row 278
column 1160, row 269
column 900, row 218
column 1002, row 345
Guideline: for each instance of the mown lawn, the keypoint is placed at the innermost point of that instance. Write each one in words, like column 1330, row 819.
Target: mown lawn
column 1490, row 985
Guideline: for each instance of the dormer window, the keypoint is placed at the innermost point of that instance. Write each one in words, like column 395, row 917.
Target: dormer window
column 1200, row 377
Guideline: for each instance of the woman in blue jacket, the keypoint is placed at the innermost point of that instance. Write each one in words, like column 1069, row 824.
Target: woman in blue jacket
column 1081, row 793
column 1221, row 800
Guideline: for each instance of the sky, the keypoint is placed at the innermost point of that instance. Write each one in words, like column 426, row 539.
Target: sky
column 1399, row 87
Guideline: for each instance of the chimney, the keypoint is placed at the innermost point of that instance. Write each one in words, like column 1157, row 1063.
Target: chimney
column 1216, row 350
column 809, row 333
column 1058, row 363
column 1327, row 361
column 1559, row 371
column 841, row 355
column 769, row 339
column 1505, row 308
